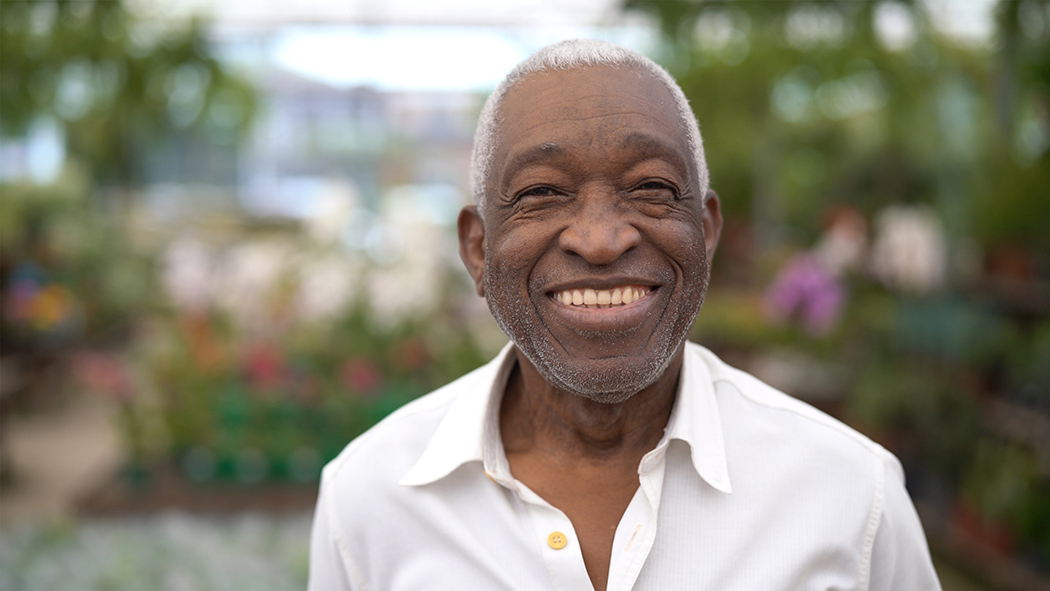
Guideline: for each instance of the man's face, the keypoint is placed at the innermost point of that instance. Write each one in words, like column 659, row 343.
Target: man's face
column 596, row 246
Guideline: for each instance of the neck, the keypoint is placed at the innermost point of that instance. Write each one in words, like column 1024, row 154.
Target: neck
column 536, row 416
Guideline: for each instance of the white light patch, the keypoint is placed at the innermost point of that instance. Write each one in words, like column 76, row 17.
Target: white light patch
column 399, row 58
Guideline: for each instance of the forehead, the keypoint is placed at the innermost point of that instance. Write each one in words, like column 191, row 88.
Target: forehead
column 596, row 103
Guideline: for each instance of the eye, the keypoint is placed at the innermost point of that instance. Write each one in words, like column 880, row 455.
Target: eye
column 540, row 191
column 657, row 189
column 653, row 185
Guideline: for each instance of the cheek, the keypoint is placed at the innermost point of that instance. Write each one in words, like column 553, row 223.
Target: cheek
column 509, row 263
column 685, row 245
column 516, row 250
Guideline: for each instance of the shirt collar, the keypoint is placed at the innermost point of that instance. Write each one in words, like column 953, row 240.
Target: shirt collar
column 469, row 431
column 695, row 419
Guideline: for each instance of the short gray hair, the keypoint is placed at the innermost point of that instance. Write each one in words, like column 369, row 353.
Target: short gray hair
column 568, row 55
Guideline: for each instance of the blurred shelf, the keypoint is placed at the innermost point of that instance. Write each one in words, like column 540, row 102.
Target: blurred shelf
column 162, row 487
column 1021, row 296
column 1020, row 424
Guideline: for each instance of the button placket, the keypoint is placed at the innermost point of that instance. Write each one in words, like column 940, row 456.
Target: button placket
column 557, row 543
column 637, row 529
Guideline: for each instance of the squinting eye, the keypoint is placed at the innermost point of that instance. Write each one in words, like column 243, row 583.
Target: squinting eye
column 650, row 187
column 653, row 185
column 538, row 192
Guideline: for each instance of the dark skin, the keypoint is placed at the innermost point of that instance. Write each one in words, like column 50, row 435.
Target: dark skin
column 591, row 187
column 582, row 456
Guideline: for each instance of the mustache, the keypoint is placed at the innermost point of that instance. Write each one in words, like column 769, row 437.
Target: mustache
column 573, row 270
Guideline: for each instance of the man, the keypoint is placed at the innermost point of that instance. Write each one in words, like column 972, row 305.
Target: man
column 600, row 449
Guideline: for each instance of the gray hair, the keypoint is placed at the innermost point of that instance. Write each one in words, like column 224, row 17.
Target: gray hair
column 567, row 55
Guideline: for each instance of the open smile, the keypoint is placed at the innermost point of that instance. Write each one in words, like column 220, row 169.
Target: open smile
column 593, row 298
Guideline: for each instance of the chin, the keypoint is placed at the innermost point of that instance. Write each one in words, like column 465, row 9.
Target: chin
column 606, row 381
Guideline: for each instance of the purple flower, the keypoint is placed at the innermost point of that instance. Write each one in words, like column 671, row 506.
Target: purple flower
column 808, row 292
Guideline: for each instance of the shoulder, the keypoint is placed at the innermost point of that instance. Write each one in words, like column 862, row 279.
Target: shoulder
column 734, row 386
column 760, row 419
column 834, row 490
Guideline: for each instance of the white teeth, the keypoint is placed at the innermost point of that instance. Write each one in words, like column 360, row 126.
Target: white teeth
column 600, row 298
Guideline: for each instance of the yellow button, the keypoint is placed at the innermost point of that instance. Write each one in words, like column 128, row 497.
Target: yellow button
column 557, row 540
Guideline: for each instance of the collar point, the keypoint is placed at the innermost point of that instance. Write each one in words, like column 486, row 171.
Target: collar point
column 722, row 486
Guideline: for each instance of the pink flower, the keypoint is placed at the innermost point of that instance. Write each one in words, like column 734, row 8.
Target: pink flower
column 104, row 374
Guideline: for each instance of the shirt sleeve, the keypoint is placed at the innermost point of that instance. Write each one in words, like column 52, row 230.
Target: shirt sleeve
column 327, row 568
column 900, row 557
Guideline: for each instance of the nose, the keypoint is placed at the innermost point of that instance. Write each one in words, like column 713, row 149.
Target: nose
column 599, row 233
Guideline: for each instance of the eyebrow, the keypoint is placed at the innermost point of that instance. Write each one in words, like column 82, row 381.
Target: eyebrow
column 541, row 153
column 656, row 146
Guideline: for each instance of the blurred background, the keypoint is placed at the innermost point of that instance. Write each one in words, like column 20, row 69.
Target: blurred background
column 227, row 246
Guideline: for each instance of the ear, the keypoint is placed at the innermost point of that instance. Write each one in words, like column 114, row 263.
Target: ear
column 472, row 245
column 712, row 223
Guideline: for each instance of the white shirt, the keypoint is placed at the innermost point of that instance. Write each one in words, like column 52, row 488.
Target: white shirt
column 748, row 489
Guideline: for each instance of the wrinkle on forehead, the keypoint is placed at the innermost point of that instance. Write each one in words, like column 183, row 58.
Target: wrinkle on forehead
column 561, row 90
column 543, row 111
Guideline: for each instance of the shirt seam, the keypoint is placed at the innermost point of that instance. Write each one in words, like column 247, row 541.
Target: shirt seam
column 875, row 452
column 353, row 572
column 874, row 518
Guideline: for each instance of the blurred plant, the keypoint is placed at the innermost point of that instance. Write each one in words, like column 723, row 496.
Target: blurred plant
column 805, row 105
column 1006, row 485
column 113, row 376
column 67, row 271
column 278, row 399
column 1027, row 373
column 909, row 252
column 931, row 417
column 116, row 84
column 806, row 290
column 38, row 305
column 809, row 108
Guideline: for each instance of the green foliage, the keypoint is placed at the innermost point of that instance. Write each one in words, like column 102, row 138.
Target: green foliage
column 803, row 107
column 913, row 399
column 951, row 331
column 77, row 245
column 117, row 84
column 224, row 395
column 1007, row 485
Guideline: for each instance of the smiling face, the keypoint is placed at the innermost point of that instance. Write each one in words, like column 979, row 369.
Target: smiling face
column 594, row 251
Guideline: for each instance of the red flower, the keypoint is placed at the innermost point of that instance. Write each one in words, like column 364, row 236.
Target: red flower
column 264, row 366
column 360, row 375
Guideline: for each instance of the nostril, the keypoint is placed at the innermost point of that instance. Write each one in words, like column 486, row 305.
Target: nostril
column 599, row 243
